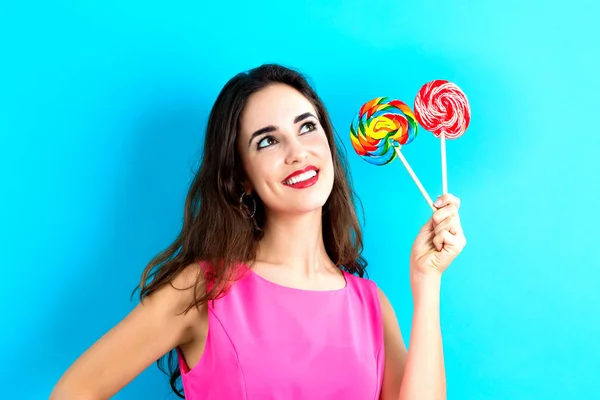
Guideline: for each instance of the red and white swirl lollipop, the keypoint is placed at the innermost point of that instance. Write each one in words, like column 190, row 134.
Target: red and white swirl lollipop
column 443, row 109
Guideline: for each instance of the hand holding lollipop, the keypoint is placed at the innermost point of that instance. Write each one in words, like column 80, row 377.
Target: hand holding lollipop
column 380, row 129
column 443, row 109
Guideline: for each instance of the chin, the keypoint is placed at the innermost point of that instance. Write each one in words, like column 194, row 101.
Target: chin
column 301, row 201
column 302, row 204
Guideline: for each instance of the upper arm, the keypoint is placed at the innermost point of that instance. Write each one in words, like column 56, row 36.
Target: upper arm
column 395, row 351
column 152, row 329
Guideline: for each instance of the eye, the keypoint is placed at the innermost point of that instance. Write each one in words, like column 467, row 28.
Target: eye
column 311, row 125
column 265, row 142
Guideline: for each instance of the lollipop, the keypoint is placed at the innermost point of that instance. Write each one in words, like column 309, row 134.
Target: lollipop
column 443, row 109
column 380, row 129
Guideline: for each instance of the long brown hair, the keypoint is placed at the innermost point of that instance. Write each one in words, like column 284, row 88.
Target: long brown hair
column 217, row 229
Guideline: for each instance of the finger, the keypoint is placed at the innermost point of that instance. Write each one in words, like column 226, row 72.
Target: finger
column 447, row 211
column 447, row 199
column 445, row 239
column 451, row 224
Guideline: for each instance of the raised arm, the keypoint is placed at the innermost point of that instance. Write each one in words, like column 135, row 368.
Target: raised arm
column 419, row 374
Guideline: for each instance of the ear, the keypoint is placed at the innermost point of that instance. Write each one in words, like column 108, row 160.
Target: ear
column 247, row 186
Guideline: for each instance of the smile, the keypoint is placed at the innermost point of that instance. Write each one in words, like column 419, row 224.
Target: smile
column 303, row 178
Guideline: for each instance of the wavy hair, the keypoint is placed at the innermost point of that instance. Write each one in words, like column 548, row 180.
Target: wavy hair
column 216, row 229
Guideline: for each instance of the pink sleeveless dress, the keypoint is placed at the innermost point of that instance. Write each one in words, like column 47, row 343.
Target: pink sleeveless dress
column 270, row 342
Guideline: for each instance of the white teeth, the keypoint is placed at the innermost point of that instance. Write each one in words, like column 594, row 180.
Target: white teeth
column 302, row 177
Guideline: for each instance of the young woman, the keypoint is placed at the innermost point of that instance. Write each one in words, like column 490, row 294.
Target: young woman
column 262, row 294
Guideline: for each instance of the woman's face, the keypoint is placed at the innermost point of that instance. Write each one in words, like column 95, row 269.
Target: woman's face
column 284, row 151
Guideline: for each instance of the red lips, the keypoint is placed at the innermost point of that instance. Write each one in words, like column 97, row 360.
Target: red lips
column 301, row 171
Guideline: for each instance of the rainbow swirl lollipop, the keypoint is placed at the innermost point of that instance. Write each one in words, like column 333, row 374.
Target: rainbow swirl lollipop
column 379, row 127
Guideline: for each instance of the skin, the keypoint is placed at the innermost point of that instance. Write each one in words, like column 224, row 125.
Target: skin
column 292, row 254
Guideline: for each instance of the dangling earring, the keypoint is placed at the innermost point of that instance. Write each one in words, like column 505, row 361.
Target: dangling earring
column 253, row 203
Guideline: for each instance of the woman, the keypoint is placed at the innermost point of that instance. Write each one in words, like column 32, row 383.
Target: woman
column 262, row 294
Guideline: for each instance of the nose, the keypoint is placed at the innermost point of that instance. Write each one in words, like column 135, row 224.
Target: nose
column 296, row 152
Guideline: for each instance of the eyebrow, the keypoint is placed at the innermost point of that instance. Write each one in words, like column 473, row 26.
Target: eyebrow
column 272, row 128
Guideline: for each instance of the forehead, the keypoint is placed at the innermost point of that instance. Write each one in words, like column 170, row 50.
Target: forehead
column 276, row 104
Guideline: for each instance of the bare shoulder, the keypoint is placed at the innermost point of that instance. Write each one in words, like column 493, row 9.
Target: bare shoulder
column 157, row 325
column 172, row 305
column 386, row 307
column 171, row 302
column 175, row 296
column 395, row 350
column 390, row 322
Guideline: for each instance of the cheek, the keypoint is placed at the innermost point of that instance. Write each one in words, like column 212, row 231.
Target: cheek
column 263, row 170
column 320, row 146
column 252, row 171
column 326, row 161
column 325, row 154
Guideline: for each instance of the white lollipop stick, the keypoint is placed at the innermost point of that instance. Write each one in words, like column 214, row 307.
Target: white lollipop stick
column 414, row 176
column 444, row 170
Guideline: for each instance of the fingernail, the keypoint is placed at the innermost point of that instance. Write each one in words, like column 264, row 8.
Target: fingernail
column 438, row 202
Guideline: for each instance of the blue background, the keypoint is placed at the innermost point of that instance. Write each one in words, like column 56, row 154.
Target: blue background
column 102, row 110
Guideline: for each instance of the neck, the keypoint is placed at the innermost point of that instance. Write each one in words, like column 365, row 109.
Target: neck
column 296, row 242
